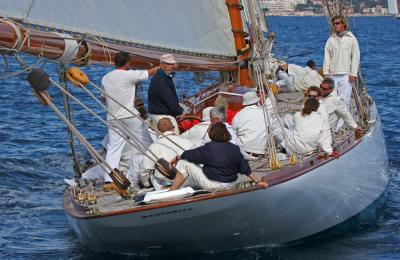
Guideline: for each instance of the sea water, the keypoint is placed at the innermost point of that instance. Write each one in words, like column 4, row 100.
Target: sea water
column 35, row 156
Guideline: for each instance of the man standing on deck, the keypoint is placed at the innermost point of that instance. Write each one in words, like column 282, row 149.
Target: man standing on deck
column 163, row 100
column 342, row 58
column 120, row 84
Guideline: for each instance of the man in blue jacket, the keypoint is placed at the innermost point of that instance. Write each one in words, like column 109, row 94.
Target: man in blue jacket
column 163, row 100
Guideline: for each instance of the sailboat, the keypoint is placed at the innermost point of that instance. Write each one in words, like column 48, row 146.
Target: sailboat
column 306, row 194
column 394, row 8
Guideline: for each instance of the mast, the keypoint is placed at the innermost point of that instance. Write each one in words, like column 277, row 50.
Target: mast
column 243, row 50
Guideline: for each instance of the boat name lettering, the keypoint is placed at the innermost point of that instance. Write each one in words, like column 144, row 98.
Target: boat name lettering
column 167, row 213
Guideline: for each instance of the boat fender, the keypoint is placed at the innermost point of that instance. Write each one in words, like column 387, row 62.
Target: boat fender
column 77, row 77
column 38, row 79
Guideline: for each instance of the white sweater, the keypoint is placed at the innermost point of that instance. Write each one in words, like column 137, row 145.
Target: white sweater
column 250, row 128
column 342, row 55
column 336, row 109
column 309, row 133
column 304, row 77
column 121, row 85
column 197, row 133
column 163, row 148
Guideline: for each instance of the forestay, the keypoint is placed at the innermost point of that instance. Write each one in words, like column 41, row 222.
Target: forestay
column 182, row 25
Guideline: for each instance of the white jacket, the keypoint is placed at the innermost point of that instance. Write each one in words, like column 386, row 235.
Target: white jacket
column 309, row 134
column 336, row 109
column 249, row 126
column 304, row 77
column 342, row 55
column 197, row 133
column 163, row 148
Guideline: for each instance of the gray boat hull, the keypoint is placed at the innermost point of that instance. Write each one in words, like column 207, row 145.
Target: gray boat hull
column 300, row 207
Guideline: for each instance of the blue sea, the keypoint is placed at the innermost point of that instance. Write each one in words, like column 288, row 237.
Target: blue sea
column 35, row 156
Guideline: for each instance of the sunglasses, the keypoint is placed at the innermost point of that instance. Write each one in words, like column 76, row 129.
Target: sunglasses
column 312, row 96
column 336, row 23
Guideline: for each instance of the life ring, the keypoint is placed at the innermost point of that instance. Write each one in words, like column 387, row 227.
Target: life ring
column 77, row 77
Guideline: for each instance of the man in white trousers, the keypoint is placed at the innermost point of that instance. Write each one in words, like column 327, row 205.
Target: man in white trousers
column 120, row 84
column 342, row 58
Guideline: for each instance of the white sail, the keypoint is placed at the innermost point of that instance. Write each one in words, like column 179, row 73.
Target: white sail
column 393, row 7
column 256, row 8
column 198, row 26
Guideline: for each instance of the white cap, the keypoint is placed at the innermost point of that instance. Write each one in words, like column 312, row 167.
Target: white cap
column 250, row 98
column 168, row 58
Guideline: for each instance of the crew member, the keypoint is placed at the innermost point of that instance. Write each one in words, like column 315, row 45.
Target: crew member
column 163, row 100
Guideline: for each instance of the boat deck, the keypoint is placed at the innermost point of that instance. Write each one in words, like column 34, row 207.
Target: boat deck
column 110, row 203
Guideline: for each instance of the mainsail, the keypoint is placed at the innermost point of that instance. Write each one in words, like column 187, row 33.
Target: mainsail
column 181, row 25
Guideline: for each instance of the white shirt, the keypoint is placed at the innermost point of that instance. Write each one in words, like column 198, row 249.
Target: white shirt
column 309, row 133
column 342, row 55
column 163, row 148
column 197, row 133
column 304, row 77
column 249, row 125
column 121, row 85
column 336, row 109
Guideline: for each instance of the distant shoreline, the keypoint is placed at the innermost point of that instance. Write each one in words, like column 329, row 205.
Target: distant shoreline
column 318, row 15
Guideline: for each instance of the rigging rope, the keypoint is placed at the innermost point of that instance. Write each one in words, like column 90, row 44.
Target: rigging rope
column 138, row 144
column 133, row 114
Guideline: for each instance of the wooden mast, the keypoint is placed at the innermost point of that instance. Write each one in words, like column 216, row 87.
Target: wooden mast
column 239, row 35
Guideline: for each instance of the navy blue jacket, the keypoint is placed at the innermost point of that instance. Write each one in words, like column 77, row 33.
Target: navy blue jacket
column 222, row 161
column 162, row 96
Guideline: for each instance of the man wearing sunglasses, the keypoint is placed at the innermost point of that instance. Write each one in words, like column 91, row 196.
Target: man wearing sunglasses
column 342, row 58
column 335, row 106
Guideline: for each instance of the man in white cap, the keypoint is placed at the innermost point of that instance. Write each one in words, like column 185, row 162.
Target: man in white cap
column 250, row 126
column 120, row 84
column 163, row 100
column 199, row 131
